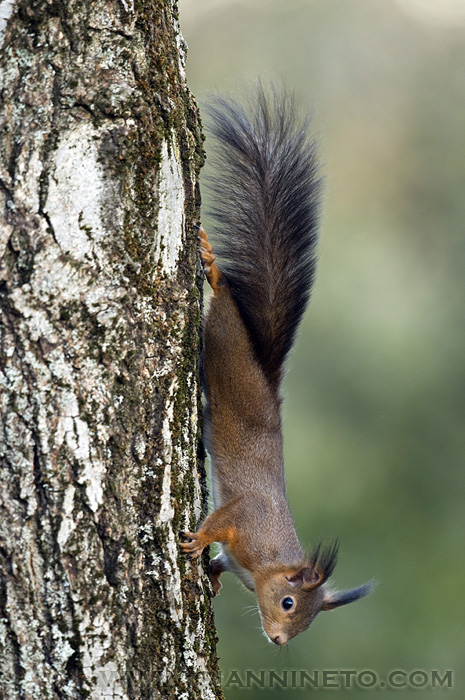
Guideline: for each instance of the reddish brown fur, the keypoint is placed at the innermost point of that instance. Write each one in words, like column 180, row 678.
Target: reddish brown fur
column 266, row 206
column 243, row 435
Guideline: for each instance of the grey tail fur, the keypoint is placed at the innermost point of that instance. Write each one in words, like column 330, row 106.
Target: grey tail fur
column 266, row 190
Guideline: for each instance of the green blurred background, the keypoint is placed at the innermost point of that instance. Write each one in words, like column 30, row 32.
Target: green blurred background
column 374, row 409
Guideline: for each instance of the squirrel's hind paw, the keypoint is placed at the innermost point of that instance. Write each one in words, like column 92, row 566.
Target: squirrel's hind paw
column 212, row 272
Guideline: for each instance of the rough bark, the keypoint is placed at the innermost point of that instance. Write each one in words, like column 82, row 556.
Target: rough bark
column 100, row 318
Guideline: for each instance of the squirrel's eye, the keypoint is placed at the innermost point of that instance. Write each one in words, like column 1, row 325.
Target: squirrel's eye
column 287, row 603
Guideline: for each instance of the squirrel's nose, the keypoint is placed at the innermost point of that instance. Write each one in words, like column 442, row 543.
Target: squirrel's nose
column 279, row 639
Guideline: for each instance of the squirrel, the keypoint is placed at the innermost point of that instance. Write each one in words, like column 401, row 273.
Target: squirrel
column 267, row 198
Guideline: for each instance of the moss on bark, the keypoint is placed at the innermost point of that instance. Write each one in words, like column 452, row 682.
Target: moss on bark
column 99, row 347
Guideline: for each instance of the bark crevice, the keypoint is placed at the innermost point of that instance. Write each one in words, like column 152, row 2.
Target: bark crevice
column 99, row 345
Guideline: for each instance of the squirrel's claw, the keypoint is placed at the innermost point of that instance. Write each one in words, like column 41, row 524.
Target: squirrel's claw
column 194, row 548
column 212, row 272
column 206, row 254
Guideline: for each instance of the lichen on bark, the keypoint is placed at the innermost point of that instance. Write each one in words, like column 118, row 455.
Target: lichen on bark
column 100, row 149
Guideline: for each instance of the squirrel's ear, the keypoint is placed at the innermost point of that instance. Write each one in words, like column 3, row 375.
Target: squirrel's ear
column 335, row 600
column 306, row 578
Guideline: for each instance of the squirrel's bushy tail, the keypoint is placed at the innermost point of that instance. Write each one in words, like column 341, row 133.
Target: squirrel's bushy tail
column 266, row 193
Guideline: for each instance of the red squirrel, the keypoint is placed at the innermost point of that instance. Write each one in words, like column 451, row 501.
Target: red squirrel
column 267, row 193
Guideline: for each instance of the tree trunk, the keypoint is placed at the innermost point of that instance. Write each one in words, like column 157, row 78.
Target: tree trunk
column 100, row 318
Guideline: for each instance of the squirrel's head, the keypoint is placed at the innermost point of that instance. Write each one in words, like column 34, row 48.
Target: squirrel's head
column 290, row 598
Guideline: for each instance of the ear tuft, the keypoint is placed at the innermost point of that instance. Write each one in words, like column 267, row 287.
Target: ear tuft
column 336, row 599
column 324, row 558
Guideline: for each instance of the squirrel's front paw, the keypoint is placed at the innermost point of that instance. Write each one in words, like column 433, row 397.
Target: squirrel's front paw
column 216, row 583
column 195, row 547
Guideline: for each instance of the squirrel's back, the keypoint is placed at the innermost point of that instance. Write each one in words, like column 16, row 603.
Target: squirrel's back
column 266, row 191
